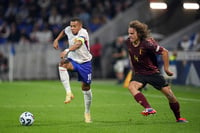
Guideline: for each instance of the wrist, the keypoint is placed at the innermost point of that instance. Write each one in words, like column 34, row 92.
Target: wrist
column 66, row 50
column 56, row 40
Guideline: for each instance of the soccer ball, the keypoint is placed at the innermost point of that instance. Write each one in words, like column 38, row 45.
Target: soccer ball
column 26, row 119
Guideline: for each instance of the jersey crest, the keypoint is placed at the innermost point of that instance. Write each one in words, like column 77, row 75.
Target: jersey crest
column 136, row 58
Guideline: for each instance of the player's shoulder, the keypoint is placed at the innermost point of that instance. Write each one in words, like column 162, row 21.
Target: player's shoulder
column 151, row 41
column 83, row 30
column 67, row 29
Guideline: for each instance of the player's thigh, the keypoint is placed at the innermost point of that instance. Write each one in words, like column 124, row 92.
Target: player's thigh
column 157, row 81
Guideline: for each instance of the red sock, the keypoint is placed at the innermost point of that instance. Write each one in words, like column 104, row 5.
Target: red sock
column 175, row 107
column 140, row 98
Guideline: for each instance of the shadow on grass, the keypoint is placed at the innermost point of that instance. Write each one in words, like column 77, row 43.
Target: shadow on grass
column 132, row 122
column 98, row 124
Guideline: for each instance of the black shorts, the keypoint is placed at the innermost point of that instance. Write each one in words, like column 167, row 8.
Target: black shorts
column 156, row 80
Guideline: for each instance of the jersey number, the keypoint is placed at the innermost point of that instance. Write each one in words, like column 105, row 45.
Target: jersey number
column 89, row 76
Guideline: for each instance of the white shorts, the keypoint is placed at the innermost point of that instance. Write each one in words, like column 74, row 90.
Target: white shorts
column 119, row 66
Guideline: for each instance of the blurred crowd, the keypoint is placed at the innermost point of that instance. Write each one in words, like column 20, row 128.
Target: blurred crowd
column 32, row 21
column 190, row 43
column 3, row 67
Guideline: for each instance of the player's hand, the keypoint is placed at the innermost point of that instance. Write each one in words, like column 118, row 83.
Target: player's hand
column 169, row 73
column 55, row 44
column 63, row 54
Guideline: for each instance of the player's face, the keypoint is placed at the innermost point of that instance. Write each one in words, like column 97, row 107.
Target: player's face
column 75, row 26
column 132, row 33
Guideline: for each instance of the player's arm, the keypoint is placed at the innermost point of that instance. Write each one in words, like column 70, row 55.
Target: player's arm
column 165, row 58
column 153, row 46
column 60, row 35
column 77, row 43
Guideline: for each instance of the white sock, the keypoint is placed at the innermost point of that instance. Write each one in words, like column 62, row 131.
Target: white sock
column 64, row 77
column 87, row 100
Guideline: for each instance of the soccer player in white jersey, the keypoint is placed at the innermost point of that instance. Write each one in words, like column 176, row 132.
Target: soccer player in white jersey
column 78, row 60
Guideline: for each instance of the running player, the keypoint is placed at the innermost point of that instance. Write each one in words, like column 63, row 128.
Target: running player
column 78, row 60
column 142, row 51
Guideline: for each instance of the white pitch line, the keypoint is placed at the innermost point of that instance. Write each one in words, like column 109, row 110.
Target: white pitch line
column 154, row 96
column 179, row 98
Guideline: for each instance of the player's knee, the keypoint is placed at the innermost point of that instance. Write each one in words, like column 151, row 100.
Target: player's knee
column 85, row 87
column 132, row 88
column 63, row 62
column 64, row 66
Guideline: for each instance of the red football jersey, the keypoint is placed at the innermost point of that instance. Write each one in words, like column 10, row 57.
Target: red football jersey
column 143, row 57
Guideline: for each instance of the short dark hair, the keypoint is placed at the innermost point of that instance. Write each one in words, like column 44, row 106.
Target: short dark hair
column 76, row 19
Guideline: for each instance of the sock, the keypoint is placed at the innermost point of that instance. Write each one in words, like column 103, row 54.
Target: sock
column 64, row 77
column 87, row 100
column 140, row 98
column 175, row 107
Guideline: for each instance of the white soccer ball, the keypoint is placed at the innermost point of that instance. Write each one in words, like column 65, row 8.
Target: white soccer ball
column 26, row 119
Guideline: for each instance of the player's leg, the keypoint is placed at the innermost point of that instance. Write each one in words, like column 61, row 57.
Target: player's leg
column 119, row 71
column 87, row 101
column 134, row 87
column 85, row 75
column 173, row 103
column 64, row 66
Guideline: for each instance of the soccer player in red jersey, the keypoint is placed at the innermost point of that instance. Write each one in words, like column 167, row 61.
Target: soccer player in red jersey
column 142, row 51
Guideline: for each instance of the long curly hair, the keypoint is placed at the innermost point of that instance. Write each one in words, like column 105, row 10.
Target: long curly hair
column 141, row 28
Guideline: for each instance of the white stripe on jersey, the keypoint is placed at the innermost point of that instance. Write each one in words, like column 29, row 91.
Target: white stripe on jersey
column 158, row 48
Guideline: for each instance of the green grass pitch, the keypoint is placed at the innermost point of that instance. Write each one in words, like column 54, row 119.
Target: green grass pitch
column 113, row 109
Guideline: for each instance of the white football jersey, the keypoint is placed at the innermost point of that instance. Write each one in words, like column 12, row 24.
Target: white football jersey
column 81, row 54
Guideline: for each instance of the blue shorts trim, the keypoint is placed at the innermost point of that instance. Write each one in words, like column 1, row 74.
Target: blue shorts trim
column 84, row 71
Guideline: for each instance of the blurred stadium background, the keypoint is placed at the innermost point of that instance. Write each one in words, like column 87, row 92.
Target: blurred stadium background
column 28, row 27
